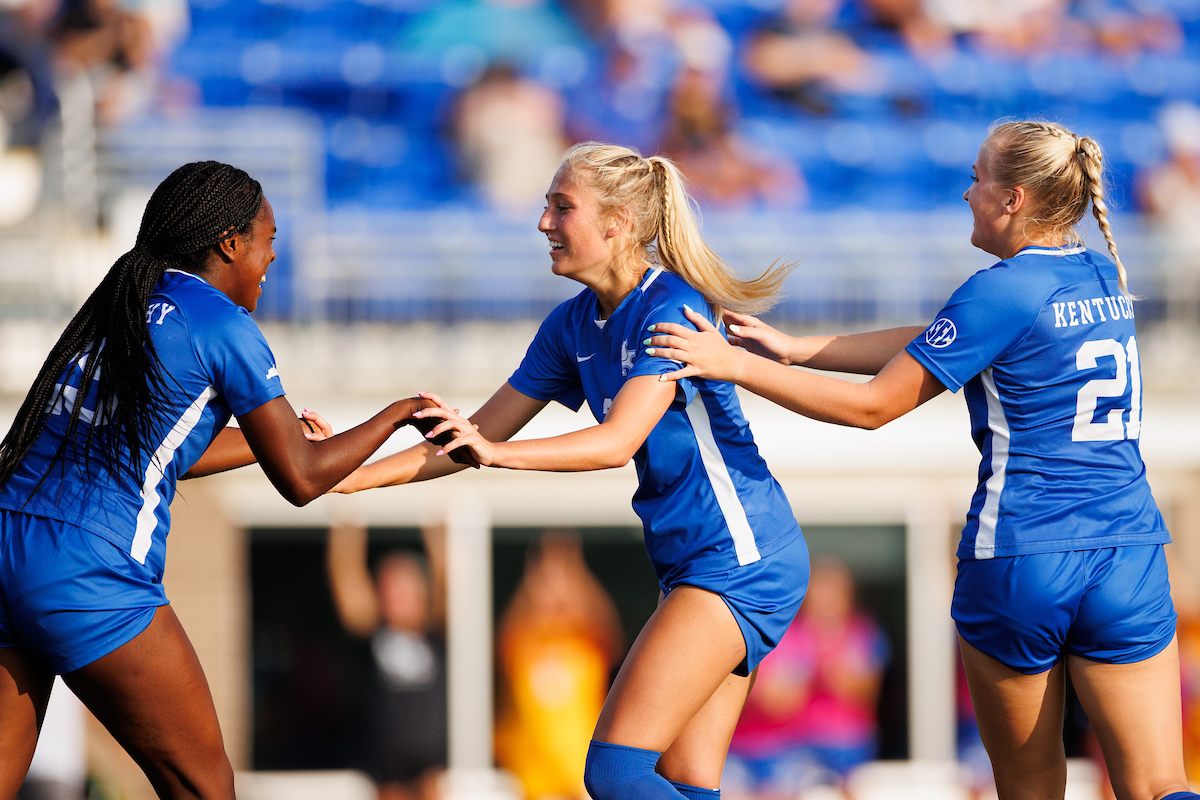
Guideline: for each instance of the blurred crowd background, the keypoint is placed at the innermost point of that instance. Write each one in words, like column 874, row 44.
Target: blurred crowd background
column 406, row 146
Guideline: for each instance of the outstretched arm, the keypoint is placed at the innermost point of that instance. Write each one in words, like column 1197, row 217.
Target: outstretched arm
column 230, row 449
column 500, row 418
column 900, row 387
column 861, row 353
column 303, row 470
column 635, row 411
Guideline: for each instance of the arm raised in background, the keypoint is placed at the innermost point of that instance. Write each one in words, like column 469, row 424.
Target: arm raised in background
column 860, row 353
column 899, row 387
column 500, row 418
column 349, row 579
column 636, row 409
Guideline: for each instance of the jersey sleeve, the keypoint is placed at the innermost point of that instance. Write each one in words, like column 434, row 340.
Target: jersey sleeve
column 241, row 362
column 548, row 371
column 667, row 306
column 980, row 322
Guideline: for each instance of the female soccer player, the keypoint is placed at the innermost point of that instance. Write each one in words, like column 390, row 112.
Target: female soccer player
column 729, row 555
column 1061, row 562
column 134, row 396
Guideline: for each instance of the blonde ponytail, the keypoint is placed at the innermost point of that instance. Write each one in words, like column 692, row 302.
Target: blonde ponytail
column 1091, row 161
column 664, row 217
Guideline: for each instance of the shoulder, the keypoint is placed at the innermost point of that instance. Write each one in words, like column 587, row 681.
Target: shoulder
column 667, row 286
column 1018, row 284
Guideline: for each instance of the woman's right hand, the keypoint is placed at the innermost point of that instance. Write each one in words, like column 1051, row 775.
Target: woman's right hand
column 759, row 338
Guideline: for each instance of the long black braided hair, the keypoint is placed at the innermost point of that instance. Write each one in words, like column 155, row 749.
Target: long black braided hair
column 192, row 211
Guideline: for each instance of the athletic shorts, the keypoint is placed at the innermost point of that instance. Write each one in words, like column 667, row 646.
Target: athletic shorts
column 1111, row 605
column 764, row 597
column 67, row 595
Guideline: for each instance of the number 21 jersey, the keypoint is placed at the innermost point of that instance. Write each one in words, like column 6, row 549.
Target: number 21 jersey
column 1044, row 343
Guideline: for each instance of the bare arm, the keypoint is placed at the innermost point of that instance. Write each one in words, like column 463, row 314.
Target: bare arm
column 230, row 449
column 303, row 470
column 500, row 418
column 349, row 579
column 635, row 411
column 899, row 388
column 860, row 353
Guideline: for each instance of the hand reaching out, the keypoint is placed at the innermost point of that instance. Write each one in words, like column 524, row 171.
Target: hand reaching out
column 759, row 338
column 315, row 427
column 704, row 351
column 479, row 450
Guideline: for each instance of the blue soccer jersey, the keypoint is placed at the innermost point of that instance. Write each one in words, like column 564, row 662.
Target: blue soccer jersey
column 216, row 364
column 1045, row 345
column 705, row 497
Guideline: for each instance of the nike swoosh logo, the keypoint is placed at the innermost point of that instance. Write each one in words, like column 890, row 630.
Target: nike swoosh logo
column 582, row 359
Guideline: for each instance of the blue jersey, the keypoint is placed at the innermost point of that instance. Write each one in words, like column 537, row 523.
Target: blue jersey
column 216, row 364
column 1045, row 345
column 705, row 497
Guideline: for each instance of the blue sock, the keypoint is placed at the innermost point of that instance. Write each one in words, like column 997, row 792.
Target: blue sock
column 1180, row 796
column 617, row 772
column 696, row 793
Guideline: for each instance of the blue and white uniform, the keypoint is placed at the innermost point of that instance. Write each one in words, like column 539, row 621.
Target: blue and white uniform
column 216, row 364
column 712, row 513
column 1045, row 346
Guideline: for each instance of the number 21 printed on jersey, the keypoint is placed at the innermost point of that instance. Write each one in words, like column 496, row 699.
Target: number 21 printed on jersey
column 1113, row 428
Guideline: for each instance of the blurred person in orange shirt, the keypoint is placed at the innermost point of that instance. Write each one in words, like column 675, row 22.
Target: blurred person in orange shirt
column 559, row 640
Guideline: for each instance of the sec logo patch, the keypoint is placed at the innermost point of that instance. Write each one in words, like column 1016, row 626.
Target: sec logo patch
column 941, row 333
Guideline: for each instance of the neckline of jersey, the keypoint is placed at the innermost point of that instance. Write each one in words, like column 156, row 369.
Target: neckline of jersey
column 650, row 277
column 189, row 274
column 1033, row 250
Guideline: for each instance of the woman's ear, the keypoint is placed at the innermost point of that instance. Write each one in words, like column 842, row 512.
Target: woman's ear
column 620, row 221
column 230, row 247
column 1014, row 199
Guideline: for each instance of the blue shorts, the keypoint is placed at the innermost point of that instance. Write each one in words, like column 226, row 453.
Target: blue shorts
column 1111, row 605
column 67, row 595
column 764, row 597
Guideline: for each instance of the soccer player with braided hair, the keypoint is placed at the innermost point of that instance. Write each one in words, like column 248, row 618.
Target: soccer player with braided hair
column 1061, row 567
column 136, row 395
column 731, row 561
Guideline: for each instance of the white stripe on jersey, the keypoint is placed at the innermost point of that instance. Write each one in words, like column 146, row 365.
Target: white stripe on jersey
column 146, row 519
column 985, row 537
column 653, row 276
column 722, row 484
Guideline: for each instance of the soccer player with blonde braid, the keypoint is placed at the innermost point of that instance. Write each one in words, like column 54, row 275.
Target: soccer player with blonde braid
column 1061, row 565
column 731, row 562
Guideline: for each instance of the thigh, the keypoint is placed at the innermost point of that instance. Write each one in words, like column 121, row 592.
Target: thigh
column 152, row 696
column 1135, row 711
column 683, row 656
column 697, row 756
column 25, row 683
column 1020, row 720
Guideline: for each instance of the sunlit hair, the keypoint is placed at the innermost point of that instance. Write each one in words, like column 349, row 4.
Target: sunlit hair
column 1060, row 173
column 665, row 219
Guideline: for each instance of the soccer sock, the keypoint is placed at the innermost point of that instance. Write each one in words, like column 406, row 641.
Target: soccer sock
column 696, row 793
column 617, row 772
column 1180, row 796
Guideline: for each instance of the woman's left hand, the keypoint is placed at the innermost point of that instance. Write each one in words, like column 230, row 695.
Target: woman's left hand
column 465, row 433
column 704, row 352
column 316, row 429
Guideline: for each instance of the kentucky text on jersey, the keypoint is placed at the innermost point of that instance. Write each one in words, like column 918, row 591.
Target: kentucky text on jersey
column 1061, row 468
column 1070, row 313
column 705, row 497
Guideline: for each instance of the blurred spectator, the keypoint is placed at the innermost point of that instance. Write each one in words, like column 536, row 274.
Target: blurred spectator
column 559, row 639
column 1170, row 195
column 724, row 169
column 921, row 33
column 811, row 716
column 121, row 45
column 801, row 57
column 510, row 137
column 403, row 612
column 28, row 103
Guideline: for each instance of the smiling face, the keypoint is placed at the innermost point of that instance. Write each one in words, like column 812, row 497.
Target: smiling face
column 583, row 241
column 251, row 254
